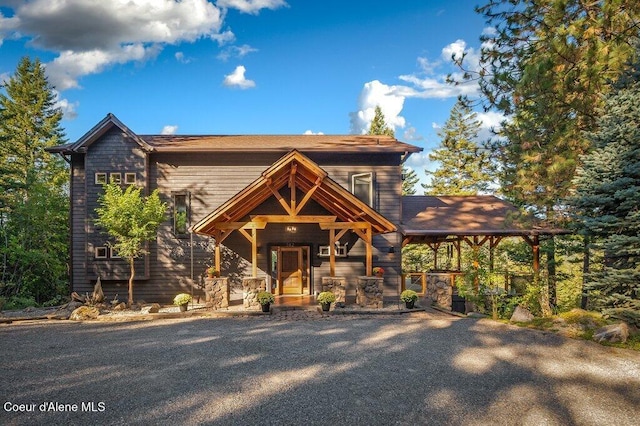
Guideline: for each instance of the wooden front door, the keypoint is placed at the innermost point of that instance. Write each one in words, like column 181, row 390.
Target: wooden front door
column 290, row 270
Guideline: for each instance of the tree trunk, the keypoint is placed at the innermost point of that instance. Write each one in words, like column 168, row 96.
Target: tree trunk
column 586, row 260
column 133, row 274
column 551, row 272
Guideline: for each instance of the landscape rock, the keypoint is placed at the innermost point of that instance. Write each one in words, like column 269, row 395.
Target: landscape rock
column 120, row 307
column 521, row 314
column 154, row 308
column 612, row 333
column 84, row 313
column 98, row 294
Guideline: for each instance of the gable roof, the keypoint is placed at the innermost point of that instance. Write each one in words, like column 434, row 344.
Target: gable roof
column 464, row 215
column 95, row 133
column 286, row 143
column 240, row 143
column 298, row 170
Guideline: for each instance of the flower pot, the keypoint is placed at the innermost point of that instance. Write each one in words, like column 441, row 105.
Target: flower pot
column 325, row 307
column 266, row 307
column 183, row 307
column 410, row 304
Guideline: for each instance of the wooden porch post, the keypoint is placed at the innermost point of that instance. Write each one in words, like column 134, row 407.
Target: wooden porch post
column 254, row 252
column 332, row 252
column 369, row 260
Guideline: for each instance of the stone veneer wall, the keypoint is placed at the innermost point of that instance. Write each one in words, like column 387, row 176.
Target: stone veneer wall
column 217, row 292
column 338, row 286
column 250, row 289
column 440, row 288
column 369, row 292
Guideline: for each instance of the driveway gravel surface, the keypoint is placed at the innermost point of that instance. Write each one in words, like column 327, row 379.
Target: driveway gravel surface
column 413, row 369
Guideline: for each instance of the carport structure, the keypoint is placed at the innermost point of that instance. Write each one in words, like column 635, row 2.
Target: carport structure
column 474, row 220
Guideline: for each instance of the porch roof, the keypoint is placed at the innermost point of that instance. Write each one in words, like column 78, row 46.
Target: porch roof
column 426, row 218
column 297, row 171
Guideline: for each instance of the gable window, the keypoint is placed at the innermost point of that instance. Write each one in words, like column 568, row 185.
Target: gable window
column 101, row 252
column 180, row 214
column 101, row 178
column 113, row 253
column 130, row 178
column 115, row 178
column 362, row 187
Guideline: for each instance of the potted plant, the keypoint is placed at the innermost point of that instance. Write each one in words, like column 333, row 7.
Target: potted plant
column 325, row 299
column 182, row 300
column 212, row 272
column 265, row 299
column 409, row 297
column 378, row 271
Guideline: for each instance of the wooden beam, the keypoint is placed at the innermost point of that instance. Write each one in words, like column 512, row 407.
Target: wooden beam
column 308, row 195
column 293, row 219
column 365, row 234
column 332, row 253
column 279, row 197
column 345, row 225
column 292, row 187
column 240, row 225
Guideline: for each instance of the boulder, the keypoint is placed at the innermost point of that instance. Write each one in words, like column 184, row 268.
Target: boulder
column 612, row 333
column 521, row 314
column 119, row 307
column 98, row 294
column 84, row 313
column 154, row 308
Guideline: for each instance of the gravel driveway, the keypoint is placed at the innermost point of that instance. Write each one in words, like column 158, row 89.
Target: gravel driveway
column 423, row 368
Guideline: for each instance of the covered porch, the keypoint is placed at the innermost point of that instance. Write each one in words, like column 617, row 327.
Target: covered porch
column 294, row 214
column 456, row 222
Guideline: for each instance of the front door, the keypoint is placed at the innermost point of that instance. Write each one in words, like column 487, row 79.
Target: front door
column 290, row 270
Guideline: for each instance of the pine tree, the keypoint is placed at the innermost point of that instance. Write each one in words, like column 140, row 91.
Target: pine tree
column 379, row 125
column 409, row 181
column 607, row 200
column 463, row 168
column 33, row 188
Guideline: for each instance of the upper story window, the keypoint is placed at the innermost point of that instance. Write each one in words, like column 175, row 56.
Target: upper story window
column 180, row 214
column 101, row 178
column 362, row 187
column 115, row 178
column 130, row 178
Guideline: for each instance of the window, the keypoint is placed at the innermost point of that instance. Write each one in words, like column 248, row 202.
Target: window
column 113, row 254
column 115, row 178
column 101, row 178
column 180, row 214
column 130, row 178
column 100, row 252
column 362, row 187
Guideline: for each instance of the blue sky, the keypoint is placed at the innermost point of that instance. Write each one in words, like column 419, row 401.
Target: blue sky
column 249, row 66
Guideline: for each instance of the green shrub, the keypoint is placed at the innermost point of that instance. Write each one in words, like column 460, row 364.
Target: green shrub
column 182, row 299
column 265, row 298
column 326, row 297
column 20, row 302
column 408, row 296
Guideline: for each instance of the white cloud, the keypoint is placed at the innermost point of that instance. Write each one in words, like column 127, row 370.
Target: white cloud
column 237, row 79
column 68, row 108
column 236, row 51
column 251, row 6
column 375, row 93
column 411, row 135
column 491, row 121
column 92, row 35
column 181, row 58
column 169, row 130
column 310, row 132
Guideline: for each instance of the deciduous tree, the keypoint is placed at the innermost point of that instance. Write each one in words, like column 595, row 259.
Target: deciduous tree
column 131, row 220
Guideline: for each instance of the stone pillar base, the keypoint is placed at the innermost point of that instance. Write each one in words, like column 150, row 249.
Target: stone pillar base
column 369, row 292
column 337, row 286
column 217, row 292
column 439, row 289
column 250, row 289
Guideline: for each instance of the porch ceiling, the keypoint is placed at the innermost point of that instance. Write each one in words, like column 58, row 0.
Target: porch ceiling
column 297, row 171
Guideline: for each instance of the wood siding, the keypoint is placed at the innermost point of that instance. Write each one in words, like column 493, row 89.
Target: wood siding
column 177, row 264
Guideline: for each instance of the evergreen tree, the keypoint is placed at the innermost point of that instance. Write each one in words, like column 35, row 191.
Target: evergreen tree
column 607, row 200
column 379, row 125
column 33, row 188
column 130, row 219
column 409, row 181
column 463, row 168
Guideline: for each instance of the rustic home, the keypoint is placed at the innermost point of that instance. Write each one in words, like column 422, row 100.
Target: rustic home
column 292, row 214
column 287, row 210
